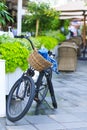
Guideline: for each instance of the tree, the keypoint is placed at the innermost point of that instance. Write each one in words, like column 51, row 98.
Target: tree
column 4, row 14
column 41, row 15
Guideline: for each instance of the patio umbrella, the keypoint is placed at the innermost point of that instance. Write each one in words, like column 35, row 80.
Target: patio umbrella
column 74, row 10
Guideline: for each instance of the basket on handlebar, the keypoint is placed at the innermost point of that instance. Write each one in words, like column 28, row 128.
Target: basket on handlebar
column 38, row 62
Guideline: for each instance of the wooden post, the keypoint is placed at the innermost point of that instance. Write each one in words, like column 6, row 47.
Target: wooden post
column 37, row 27
column 84, row 30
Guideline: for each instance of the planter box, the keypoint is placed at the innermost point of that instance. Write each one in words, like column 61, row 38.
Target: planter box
column 11, row 78
column 2, row 89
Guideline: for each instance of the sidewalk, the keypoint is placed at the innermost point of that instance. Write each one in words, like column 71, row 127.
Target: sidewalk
column 71, row 114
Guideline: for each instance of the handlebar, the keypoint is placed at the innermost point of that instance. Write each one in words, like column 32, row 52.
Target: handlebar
column 26, row 37
column 21, row 36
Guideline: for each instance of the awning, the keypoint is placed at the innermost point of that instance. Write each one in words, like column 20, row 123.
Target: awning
column 77, row 10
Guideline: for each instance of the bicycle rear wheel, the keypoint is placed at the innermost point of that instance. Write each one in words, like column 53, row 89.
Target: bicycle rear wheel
column 20, row 98
column 41, row 88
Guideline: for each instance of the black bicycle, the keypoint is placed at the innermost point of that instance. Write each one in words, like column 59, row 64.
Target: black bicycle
column 25, row 90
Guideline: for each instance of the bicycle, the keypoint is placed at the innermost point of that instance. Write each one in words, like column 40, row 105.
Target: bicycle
column 24, row 91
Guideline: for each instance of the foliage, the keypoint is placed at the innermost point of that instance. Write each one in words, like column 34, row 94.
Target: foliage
column 15, row 51
column 41, row 9
column 56, row 34
column 24, row 42
column 47, row 42
column 65, row 24
column 6, row 39
column 15, row 56
column 36, row 42
column 55, row 24
column 42, row 12
column 4, row 15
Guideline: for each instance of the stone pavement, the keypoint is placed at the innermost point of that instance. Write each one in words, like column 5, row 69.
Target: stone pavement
column 71, row 114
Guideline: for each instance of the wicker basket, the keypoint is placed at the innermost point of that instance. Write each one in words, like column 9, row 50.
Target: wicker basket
column 37, row 61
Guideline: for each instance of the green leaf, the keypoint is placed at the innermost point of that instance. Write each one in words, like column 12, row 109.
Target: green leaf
column 15, row 55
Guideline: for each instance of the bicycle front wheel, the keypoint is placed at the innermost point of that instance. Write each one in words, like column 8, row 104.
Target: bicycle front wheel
column 20, row 98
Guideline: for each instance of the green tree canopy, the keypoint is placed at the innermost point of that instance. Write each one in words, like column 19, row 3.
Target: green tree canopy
column 40, row 16
column 4, row 15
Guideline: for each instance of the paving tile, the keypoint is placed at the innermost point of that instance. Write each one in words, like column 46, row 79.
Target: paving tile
column 65, row 118
column 20, row 122
column 2, row 127
column 81, row 115
column 75, row 109
column 82, row 128
column 2, row 123
column 75, row 125
column 50, row 126
column 39, row 119
column 3, row 120
column 23, row 127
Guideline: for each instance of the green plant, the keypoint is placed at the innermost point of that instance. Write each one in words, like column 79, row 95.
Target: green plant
column 39, row 17
column 15, row 56
column 4, row 14
column 56, row 34
column 47, row 42
column 36, row 42
column 6, row 39
column 24, row 42
column 15, row 51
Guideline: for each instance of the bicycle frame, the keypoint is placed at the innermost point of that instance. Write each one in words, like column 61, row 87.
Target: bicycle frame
column 47, row 73
column 25, row 90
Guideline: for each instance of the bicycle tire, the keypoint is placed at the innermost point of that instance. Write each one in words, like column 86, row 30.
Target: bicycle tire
column 52, row 94
column 23, row 88
column 50, row 87
column 41, row 87
column 47, row 86
column 43, row 90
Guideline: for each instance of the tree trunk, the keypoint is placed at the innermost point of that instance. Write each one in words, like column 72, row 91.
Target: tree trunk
column 37, row 27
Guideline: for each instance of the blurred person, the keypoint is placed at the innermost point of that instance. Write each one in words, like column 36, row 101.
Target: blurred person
column 74, row 29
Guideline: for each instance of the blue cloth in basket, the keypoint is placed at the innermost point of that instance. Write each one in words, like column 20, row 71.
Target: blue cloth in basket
column 44, row 53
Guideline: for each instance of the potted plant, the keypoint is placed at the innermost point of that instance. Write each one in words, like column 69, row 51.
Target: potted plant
column 16, row 51
column 15, row 56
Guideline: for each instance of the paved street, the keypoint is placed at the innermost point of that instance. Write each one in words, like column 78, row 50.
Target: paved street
column 71, row 114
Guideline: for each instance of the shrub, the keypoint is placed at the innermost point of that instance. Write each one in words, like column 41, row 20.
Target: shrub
column 47, row 42
column 57, row 35
column 24, row 42
column 15, row 51
column 15, row 56
column 6, row 39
